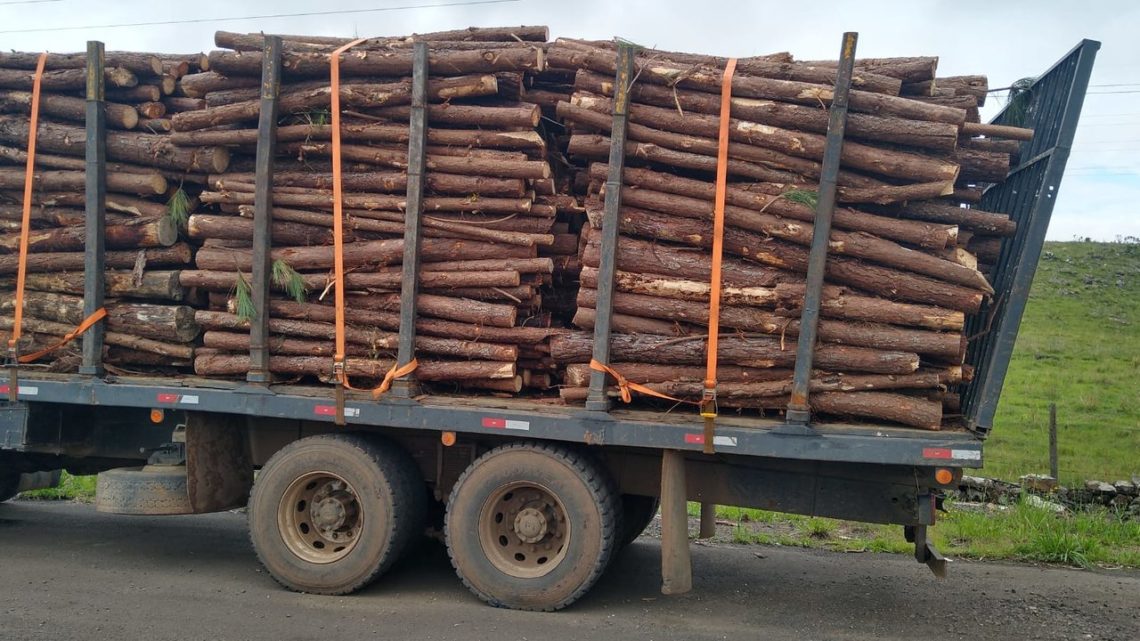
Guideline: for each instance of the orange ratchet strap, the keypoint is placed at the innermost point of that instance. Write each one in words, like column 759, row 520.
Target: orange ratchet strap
column 87, row 324
column 626, row 385
column 26, row 216
column 708, row 398
column 338, row 249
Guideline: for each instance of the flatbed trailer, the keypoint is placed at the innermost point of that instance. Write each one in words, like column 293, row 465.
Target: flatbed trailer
column 364, row 472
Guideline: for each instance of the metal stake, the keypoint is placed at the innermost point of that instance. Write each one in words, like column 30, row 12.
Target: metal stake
column 95, row 216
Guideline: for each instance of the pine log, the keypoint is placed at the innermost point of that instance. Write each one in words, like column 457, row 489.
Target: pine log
column 358, row 254
column 760, row 197
column 752, row 351
column 42, row 216
column 161, row 232
column 910, row 70
column 708, row 79
column 144, row 149
column 118, row 203
column 254, row 41
column 786, row 298
column 642, row 256
column 890, row 194
column 868, row 127
column 197, row 85
column 972, row 219
column 175, row 255
column 314, row 199
column 855, row 244
column 398, row 159
column 382, row 182
column 143, row 184
column 136, row 62
column 67, row 108
column 444, row 307
column 997, row 131
column 578, row 374
column 383, row 63
column 182, row 352
column 151, row 285
column 899, row 408
column 366, row 368
column 876, row 160
column 136, row 94
column 371, row 132
column 770, row 158
column 178, row 104
column 375, row 340
column 167, row 323
column 223, row 281
column 390, row 321
column 64, row 79
column 585, row 317
column 877, row 336
column 351, row 95
column 520, row 265
column 201, row 226
column 728, row 390
column 523, row 116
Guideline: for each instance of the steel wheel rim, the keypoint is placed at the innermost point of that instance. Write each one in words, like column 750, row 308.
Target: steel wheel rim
column 524, row 530
column 320, row 517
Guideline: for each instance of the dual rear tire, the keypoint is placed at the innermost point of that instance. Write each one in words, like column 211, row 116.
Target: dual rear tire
column 528, row 526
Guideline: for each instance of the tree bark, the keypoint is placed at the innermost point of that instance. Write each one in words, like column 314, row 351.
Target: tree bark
column 351, row 95
column 175, row 255
column 383, row 182
column 67, row 108
column 143, row 184
column 152, row 285
column 182, row 352
column 760, row 197
column 167, row 323
column 868, row 127
column 383, row 63
column 366, row 368
column 523, row 116
column 64, row 79
column 161, row 232
column 145, row 149
column 751, row 351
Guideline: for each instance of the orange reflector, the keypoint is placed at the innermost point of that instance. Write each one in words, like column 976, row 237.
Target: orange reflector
column 944, row 476
column 447, row 438
column 156, row 416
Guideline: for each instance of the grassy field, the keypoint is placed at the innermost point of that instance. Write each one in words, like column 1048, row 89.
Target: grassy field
column 1079, row 347
column 1020, row 532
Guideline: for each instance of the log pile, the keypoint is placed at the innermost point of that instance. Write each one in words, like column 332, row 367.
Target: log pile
column 901, row 275
column 150, row 324
column 518, row 145
column 491, row 236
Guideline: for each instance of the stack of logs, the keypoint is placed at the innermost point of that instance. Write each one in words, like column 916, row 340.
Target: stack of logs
column 901, row 278
column 490, row 228
column 150, row 322
column 518, row 141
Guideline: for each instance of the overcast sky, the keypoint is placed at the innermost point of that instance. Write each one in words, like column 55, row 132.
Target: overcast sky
column 1004, row 39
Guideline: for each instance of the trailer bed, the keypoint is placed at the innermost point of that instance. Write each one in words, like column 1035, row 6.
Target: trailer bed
column 681, row 430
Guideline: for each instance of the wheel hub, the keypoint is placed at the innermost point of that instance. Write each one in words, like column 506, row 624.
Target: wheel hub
column 530, row 525
column 320, row 517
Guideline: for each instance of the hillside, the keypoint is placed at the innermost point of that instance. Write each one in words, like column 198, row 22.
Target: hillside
column 1079, row 346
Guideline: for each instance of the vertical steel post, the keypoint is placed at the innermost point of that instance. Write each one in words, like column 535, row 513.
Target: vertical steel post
column 263, row 212
column 799, row 412
column 596, row 399
column 405, row 386
column 676, row 557
column 95, row 216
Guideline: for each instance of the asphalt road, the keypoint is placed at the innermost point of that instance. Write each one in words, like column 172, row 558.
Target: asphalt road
column 68, row 572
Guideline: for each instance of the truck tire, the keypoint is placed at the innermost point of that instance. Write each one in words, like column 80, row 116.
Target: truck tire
column 532, row 526
column 329, row 514
column 637, row 513
column 9, row 484
column 151, row 490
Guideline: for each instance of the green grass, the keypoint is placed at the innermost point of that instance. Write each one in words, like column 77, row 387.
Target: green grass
column 1079, row 347
column 1019, row 532
column 71, row 488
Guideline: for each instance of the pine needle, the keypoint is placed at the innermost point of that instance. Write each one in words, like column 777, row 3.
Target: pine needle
column 1017, row 101
column 178, row 207
column 802, row 197
column 287, row 278
column 243, row 294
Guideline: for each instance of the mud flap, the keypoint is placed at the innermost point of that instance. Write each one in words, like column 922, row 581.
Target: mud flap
column 219, row 470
